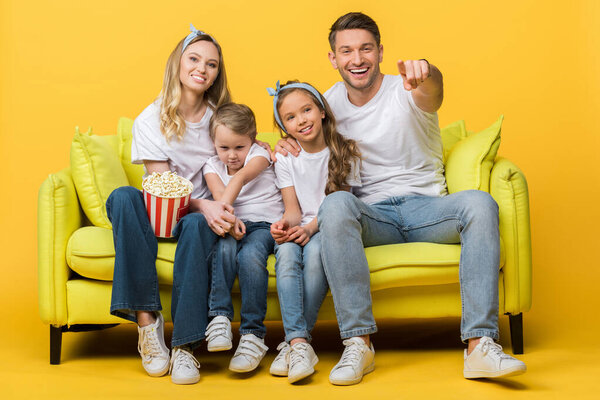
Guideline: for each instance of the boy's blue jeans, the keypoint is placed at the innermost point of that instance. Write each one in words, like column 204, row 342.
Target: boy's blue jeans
column 301, row 286
column 135, row 281
column 247, row 259
column 469, row 217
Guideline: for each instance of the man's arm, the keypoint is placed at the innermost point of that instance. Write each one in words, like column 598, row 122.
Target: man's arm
column 425, row 82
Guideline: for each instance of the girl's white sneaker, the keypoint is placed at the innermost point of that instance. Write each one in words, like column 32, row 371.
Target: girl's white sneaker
column 280, row 365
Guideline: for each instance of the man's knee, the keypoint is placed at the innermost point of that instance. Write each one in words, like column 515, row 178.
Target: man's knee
column 336, row 206
column 480, row 204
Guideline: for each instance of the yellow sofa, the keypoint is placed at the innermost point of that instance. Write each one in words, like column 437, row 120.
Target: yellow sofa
column 413, row 280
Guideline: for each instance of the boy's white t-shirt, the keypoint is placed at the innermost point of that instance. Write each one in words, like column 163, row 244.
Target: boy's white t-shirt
column 259, row 199
column 400, row 144
column 186, row 156
column 308, row 173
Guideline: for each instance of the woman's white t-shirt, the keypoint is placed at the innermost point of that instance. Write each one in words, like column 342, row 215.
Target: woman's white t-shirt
column 308, row 173
column 186, row 157
column 259, row 199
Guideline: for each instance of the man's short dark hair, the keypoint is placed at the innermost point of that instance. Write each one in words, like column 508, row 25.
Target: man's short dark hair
column 353, row 20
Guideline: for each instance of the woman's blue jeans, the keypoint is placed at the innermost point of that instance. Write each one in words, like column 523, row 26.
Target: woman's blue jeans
column 247, row 259
column 301, row 286
column 135, row 281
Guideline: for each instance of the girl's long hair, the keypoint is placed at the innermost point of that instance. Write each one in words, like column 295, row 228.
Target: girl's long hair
column 171, row 120
column 343, row 153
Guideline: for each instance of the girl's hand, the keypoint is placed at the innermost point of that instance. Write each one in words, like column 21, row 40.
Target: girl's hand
column 279, row 231
column 238, row 230
column 284, row 146
column 218, row 214
column 299, row 234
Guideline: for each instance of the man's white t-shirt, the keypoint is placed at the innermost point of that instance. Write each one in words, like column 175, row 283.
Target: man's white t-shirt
column 186, row 156
column 400, row 144
column 259, row 199
column 308, row 173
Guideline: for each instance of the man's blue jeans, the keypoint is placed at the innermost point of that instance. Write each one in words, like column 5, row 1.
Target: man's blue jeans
column 135, row 281
column 247, row 259
column 301, row 286
column 469, row 218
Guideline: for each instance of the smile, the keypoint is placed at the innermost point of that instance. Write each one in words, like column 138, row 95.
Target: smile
column 305, row 130
column 359, row 71
column 198, row 78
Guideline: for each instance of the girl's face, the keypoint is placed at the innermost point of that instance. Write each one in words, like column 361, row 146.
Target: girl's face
column 199, row 66
column 232, row 148
column 301, row 117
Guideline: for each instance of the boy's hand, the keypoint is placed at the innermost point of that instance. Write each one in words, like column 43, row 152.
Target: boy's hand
column 299, row 234
column 238, row 230
column 279, row 231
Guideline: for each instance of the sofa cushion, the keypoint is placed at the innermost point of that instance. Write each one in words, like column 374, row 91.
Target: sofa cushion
column 134, row 172
column 96, row 171
column 469, row 161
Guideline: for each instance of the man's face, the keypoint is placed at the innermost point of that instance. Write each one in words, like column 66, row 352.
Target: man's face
column 357, row 57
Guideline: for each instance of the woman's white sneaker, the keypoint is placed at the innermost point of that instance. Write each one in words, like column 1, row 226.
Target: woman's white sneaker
column 487, row 360
column 357, row 360
column 302, row 361
column 280, row 365
column 248, row 354
column 152, row 347
column 184, row 366
column 218, row 334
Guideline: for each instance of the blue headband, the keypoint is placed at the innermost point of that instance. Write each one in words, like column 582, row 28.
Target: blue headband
column 194, row 32
column 275, row 93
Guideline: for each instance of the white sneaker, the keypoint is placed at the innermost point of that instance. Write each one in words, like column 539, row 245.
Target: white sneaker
column 184, row 366
column 152, row 347
column 280, row 365
column 248, row 354
column 488, row 360
column 302, row 361
column 357, row 360
column 218, row 334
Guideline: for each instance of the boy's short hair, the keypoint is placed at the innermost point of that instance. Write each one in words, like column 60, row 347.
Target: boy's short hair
column 237, row 117
column 353, row 20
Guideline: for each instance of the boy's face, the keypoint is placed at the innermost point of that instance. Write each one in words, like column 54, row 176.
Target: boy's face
column 357, row 57
column 232, row 148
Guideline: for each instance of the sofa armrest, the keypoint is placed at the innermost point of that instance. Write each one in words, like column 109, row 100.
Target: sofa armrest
column 509, row 188
column 59, row 215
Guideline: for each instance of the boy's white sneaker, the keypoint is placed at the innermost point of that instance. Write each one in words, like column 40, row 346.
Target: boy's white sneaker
column 357, row 360
column 184, row 366
column 152, row 347
column 302, row 362
column 218, row 334
column 487, row 360
column 280, row 364
column 248, row 354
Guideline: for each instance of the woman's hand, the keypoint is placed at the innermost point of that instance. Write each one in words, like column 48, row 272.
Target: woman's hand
column 238, row 230
column 218, row 214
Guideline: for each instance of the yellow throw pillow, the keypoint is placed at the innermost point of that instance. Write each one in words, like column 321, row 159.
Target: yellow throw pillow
column 469, row 161
column 96, row 171
column 452, row 134
column 134, row 172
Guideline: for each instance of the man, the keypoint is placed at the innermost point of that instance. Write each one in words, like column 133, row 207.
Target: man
column 403, row 199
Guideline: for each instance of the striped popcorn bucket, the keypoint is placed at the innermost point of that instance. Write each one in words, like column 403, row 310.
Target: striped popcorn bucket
column 165, row 212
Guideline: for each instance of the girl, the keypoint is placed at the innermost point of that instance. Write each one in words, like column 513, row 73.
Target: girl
column 328, row 163
column 241, row 175
column 172, row 134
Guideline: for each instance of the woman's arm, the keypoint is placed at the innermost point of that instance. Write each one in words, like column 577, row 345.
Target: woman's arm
column 156, row 166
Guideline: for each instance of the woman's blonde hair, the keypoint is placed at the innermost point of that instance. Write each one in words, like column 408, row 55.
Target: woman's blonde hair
column 171, row 120
column 343, row 153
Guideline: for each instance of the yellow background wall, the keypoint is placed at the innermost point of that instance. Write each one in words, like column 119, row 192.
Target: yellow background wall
column 68, row 63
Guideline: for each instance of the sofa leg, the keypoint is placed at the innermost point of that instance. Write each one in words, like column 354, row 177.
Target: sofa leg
column 516, row 332
column 55, row 344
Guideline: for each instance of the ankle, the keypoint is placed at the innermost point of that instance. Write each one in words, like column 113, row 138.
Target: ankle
column 473, row 342
column 298, row 340
column 145, row 318
column 366, row 339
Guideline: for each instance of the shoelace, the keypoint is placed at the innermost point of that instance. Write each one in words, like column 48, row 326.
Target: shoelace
column 148, row 345
column 184, row 359
column 215, row 329
column 489, row 346
column 282, row 354
column 297, row 354
column 250, row 348
column 352, row 354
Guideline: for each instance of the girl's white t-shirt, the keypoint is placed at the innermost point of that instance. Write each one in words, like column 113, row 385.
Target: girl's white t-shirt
column 400, row 144
column 308, row 173
column 186, row 157
column 259, row 199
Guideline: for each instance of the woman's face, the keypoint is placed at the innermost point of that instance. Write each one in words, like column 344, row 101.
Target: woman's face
column 199, row 66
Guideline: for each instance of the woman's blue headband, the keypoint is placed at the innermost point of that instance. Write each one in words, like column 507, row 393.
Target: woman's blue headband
column 278, row 89
column 193, row 33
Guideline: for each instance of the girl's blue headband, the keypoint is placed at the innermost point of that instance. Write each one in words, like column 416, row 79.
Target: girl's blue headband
column 194, row 32
column 278, row 89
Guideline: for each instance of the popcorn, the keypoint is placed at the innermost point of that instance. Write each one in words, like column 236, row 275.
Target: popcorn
column 167, row 184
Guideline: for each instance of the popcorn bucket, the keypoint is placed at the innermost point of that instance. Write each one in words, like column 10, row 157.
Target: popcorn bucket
column 165, row 212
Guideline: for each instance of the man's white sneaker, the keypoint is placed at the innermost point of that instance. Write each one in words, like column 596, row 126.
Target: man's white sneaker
column 487, row 360
column 302, row 362
column 248, row 354
column 280, row 364
column 357, row 360
column 218, row 334
column 184, row 366
column 152, row 347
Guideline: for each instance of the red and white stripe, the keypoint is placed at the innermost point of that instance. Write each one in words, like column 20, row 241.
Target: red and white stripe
column 164, row 213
